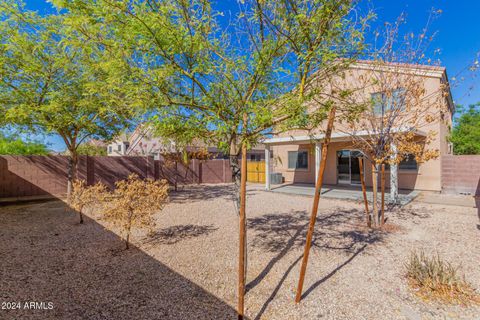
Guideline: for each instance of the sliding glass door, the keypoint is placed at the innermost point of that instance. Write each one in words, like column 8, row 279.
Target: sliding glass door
column 348, row 166
column 343, row 166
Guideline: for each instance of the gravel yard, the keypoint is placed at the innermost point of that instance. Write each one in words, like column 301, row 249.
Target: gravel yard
column 187, row 268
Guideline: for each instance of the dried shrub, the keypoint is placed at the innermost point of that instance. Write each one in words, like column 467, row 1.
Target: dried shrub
column 133, row 203
column 84, row 196
column 435, row 279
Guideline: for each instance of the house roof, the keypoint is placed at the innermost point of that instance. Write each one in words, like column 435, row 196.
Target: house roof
column 370, row 64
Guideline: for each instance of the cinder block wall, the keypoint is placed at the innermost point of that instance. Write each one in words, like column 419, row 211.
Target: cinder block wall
column 23, row 176
column 461, row 174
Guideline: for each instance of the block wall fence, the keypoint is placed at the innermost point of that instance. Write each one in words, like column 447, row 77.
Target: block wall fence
column 25, row 176
column 29, row 176
column 461, row 174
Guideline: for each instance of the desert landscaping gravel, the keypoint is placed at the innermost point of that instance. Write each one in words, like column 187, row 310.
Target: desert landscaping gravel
column 187, row 269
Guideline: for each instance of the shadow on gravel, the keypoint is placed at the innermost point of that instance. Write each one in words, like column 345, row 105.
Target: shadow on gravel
column 337, row 230
column 174, row 234
column 409, row 213
column 193, row 193
column 48, row 257
column 329, row 275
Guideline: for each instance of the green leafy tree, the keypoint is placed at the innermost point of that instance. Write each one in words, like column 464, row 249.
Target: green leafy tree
column 230, row 82
column 466, row 131
column 86, row 149
column 53, row 81
column 16, row 146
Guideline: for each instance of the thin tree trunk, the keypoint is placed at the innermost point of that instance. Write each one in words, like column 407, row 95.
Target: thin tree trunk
column 235, row 166
column 364, row 191
column 382, row 186
column 72, row 172
column 127, row 238
column 176, row 175
column 393, row 175
column 316, row 200
column 242, row 235
column 81, row 216
column 375, row 194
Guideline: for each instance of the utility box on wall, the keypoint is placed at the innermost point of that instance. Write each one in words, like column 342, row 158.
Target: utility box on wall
column 276, row 178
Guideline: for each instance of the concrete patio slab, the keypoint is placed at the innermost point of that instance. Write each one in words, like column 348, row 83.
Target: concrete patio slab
column 449, row 199
column 342, row 193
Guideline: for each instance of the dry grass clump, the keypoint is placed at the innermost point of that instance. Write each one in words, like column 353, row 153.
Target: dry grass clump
column 435, row 279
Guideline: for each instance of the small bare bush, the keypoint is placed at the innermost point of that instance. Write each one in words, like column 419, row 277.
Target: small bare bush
column 435, row 279
column 84, row 196
column 133, row 203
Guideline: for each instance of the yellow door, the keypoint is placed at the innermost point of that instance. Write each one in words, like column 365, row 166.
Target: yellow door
column 256, row 171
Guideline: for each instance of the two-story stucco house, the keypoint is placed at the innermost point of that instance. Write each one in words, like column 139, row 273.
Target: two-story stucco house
column 296, row 154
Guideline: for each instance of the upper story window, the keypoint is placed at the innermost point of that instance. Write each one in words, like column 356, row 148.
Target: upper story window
column 383, row 103
column 297, row 159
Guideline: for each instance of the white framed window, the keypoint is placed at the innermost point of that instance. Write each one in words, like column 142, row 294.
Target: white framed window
column 383, row 103
column 297, row 159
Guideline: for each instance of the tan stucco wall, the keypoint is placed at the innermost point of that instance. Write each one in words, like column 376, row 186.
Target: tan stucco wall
column 428, row 176
column 280, row 163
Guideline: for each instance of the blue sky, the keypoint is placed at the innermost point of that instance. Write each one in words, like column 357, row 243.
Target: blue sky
column 458, row 35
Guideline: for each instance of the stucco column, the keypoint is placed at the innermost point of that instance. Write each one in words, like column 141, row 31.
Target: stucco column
column 393, row 175
column 267, row 167
column 318, row 156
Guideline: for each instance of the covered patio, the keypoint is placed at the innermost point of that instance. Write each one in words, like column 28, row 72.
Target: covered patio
column 297, row 159
column 353, row 193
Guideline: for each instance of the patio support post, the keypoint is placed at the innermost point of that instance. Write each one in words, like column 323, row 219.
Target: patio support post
column 267, row 167
column 393, row 175
column 318, row 156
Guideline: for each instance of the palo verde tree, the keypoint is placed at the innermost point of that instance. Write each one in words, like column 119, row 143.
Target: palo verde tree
column 53, row 81
column 230, row 80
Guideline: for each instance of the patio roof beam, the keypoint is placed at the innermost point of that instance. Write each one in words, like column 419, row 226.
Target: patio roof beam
column 338, row 136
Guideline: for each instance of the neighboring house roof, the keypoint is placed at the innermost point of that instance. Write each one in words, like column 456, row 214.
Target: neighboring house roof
column 143, row 134
column 97, row 143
